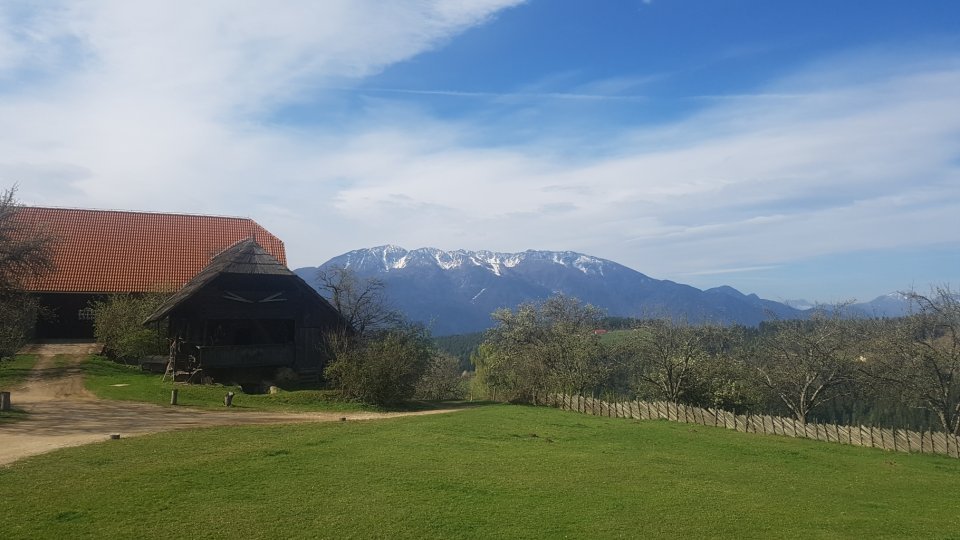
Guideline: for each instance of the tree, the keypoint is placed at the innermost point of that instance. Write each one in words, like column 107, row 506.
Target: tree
column 918, row 357
column 384, row 367
column 442, row 379
column 805, row 363
column 361, row 301
column 543, row 347
column 25, row 254
column 118, row 324
column 662, row 357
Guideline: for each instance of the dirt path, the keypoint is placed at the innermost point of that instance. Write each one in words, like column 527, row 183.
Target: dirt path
column 63, row 413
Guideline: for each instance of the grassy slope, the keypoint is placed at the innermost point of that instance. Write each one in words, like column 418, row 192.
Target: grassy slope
column 498, row 471
column 101, row 376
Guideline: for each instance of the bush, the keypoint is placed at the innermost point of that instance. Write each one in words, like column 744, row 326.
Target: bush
column 442, row 379
column 118, row 324
column 18, row 315
column 383, row 368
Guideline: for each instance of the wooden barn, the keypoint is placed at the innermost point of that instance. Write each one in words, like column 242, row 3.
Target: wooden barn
column 245, row 315
column 236, row 306
column 102, row 252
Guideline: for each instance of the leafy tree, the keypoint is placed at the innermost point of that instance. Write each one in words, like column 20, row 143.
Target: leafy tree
column 805, row 364
column 918, row 357
column 25, row 254
column 662, row 357
column 683, row 363
column 543, row 347
column 384, row 367
column 118, row 324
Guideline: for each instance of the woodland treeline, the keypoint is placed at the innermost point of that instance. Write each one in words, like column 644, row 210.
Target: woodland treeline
column 902, row 372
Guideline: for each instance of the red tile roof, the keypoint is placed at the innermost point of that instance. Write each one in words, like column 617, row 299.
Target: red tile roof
column 108, row 251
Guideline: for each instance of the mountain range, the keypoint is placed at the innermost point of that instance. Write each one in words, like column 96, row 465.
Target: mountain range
column 455, row 292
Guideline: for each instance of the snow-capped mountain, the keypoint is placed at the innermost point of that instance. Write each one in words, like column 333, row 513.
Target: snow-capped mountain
column 384, row 259
column 455, row 291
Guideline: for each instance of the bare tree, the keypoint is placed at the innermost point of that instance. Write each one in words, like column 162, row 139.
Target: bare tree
column 806, row 363
column 665, row 357
column 25, row 254
column 918, row 357
column 361, row 301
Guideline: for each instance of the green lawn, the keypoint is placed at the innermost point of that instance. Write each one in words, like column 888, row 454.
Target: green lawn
column 493, row 472
column 110, row 380
column 13, row 372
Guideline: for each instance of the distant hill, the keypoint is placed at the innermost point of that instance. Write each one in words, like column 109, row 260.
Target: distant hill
column 455, row 291
column 889, row 305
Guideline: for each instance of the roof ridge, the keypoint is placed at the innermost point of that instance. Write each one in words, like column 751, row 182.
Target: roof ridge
column 147, row 212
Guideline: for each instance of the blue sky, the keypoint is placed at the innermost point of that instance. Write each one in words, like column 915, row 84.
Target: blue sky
column 792, row 149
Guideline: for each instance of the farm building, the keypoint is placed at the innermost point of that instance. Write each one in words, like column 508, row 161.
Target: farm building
column 247, row 312
column 101, row 252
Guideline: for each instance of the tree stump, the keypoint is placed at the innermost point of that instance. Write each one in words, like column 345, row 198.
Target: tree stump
column 228, row 399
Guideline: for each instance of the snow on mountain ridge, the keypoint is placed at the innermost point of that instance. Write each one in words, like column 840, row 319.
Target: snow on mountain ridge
column 390, row 257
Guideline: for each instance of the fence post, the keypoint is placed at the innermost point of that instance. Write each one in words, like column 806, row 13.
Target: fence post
column 4, row 401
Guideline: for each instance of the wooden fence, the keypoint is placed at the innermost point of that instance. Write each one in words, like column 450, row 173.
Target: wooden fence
column 900, row 440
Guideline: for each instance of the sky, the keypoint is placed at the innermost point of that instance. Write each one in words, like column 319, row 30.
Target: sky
column 790, row 149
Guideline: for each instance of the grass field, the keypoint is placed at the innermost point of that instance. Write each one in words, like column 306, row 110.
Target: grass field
column 15, row 370
column 497, row 471
column 110, row 380
column 12, row 373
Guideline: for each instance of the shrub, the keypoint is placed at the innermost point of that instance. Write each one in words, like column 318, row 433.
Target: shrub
column 442, row 379
column 18, row 314
column 383, row 368
column 118, row 324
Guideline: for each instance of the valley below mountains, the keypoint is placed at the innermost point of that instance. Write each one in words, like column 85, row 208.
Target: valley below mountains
column 454, row 292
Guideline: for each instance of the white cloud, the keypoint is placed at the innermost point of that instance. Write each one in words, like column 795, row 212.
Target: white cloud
column 166, row 106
